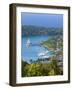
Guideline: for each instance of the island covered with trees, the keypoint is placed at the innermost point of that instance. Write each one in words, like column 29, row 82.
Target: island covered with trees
column 44, row 66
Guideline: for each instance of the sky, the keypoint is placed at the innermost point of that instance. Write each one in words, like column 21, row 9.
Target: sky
column 44, row 20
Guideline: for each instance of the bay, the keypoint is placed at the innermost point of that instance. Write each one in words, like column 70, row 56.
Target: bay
column 35, row 50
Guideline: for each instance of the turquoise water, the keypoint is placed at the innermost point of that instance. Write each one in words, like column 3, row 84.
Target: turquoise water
column 35, row 50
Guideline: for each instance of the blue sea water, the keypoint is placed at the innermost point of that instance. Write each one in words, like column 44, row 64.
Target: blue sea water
column 35, row 50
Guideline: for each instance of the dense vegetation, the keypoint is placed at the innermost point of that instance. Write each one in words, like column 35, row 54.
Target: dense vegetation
column 54, row 43
column 29, row 30
column 48, row 66
column 41, row 69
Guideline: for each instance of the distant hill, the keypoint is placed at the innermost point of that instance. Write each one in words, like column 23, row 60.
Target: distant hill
column 29, row 30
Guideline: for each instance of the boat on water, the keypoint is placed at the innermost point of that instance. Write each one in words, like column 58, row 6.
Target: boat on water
column 28, row 42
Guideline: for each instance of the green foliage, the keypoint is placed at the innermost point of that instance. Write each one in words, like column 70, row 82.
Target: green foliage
column 55, row 69
column 33, row 70
column 41, row 69
column 52, row 42
column 51, row 72
column 45, row 69
column 30, row 30
column 23, row 65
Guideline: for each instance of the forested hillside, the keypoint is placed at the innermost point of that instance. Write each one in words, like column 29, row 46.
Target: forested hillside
column 28, row 30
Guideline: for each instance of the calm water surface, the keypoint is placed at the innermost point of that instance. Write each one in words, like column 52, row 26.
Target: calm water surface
column 34, row 51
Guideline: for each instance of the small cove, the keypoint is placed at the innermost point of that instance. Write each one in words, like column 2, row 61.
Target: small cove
column 35, row 50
